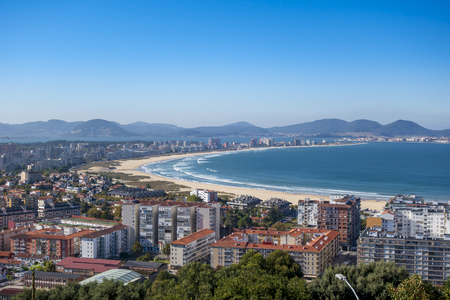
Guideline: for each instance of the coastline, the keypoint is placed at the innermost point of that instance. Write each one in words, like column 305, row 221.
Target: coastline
column 133, row 167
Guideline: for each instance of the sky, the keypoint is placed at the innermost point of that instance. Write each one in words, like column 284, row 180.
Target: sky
column 202, row 63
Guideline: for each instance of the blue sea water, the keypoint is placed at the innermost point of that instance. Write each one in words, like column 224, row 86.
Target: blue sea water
column 375, row 170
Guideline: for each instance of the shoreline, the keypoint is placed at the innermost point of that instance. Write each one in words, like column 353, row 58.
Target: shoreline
column 133, row 167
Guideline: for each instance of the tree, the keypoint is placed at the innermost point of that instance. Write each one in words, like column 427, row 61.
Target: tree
column 33, row 268
column 145, row 257
column 137, row 247
column 123, row 255
column 166, row 249
column 370, row 281
column 48, row 266
column 118, row 213
column 281, row 263
column 193, row 198
column 281, row 226
column 412, row 288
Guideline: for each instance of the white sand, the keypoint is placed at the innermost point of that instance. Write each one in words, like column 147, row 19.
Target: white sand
column 130, row 167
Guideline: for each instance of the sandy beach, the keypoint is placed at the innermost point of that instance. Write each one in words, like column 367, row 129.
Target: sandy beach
column 131, row 167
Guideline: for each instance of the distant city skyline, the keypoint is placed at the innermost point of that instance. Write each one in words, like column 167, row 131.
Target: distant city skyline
column 211, row 63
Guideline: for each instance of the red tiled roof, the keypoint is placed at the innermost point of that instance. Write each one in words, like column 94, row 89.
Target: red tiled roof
column 97, row 265
column 192, row 237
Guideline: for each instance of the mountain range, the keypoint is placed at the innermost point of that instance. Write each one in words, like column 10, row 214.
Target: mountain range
column 103, row 128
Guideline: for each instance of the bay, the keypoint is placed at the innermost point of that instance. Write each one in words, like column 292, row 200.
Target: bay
column 372, row 170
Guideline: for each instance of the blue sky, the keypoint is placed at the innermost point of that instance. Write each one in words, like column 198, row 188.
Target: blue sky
column 193, row 63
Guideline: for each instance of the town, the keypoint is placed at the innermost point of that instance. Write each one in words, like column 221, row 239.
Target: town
column 87, row 227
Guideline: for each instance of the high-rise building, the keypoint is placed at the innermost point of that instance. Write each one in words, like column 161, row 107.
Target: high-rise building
column 162, row 222
column 206, row 195
column 341, row 213
column 428, row 257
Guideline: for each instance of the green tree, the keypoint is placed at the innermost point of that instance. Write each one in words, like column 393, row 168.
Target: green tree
column 118, row 213
column 48, row 266
column 281, row 226
column 412, row 288
column 145, row 257
column 193, row 198
column 33, row 268
column 137, row 247
column 281, row 263
column 370, row 281
column 166, row 249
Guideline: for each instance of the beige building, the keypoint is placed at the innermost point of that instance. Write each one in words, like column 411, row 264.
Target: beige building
column 312, row 249
column 191, row 248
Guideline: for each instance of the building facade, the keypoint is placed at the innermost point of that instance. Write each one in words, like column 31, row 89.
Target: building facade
column 191, row 248
column 312, row 249
column 157, row 223
column 428, row 257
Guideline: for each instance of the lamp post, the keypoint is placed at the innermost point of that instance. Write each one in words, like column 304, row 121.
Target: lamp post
column 342, row 277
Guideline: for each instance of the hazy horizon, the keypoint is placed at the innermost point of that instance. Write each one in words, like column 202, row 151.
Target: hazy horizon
column 210, row 63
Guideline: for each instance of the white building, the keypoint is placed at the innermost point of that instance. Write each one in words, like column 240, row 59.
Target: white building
column 206, row 195
column 105, row 243
column 307, row 212
column 191, row 248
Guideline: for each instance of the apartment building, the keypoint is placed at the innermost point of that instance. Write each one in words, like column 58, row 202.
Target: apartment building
column 244, row 201
column 52, row 243
column 428, row 257
column 162, row 222
column 206, row 195
column 106, row 243
column 308, row 212
column 191, row 248
column 20, row 213
column 5, row 236
column 341, row 213
column 312, row 249
column 281, row 204
column 59, row 209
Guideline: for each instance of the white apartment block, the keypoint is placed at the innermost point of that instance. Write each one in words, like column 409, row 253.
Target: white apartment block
column 105, row 243
column 162, row 222
column 308, row 212
column 206, row 195
column 430, row 221
column 194, row 247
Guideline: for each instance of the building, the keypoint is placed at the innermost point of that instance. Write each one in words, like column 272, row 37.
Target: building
column 267, row 141
column 342, row 213
column 92, row 223
column 428, row 257
column 86, row 266
column 49, row 242
column 20, row 213
column 214, row 142
column 206, row 195
column 5, row 236
column 157, row 223
column 106, row 243
column 308, row 212
column 244, row 201
column 59, row 209
column 126, row 276
column 191, row 248
column 281, row 204
column 312, row 249
column 134, row 192
column 144, row 266
column 30, row 176
column 50, row 279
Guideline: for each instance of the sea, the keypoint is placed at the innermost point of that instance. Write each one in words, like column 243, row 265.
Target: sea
column 373, row 170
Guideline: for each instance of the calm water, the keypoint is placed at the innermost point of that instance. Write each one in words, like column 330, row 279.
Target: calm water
column 378, row 170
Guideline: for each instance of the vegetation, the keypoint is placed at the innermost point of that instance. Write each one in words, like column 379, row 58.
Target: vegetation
column 145, row 257
column 48, row 266
column 193, row 198
column 137, row 247
column 277, row 277
column 370, row 281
